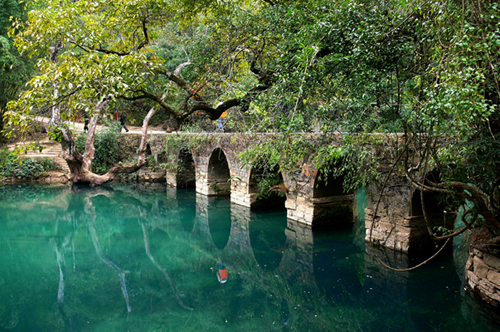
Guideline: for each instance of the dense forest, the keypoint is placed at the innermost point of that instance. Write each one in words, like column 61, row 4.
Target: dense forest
column 428, row 70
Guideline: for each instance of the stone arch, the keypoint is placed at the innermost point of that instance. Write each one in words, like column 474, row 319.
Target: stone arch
column 218, row 176
column 325, row 185
column 186, row 171
column 275, row 195
column 332, row 204
column 436, row 216
column 433, row 205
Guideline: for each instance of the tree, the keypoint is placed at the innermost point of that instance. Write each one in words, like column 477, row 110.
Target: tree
column 427, row 69
column 15, row 70
column 100, row 52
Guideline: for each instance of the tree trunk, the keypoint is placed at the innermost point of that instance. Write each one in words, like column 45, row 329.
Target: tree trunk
column 80, row 166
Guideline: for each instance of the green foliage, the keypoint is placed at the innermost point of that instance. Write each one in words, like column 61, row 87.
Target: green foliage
column 6, row 158
column 151, row 162
column 215, row 187
column 356, row 160
column 442, row 231
column 107, row 148
column 270, row 185
column 12, row 166
column 428, row 69
column 25, row 169
column 48, row 164
column 15, row 70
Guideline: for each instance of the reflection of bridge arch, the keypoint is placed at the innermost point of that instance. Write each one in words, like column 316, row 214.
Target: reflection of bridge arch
column 297, row 258
column 238, row 243
column 268, row 238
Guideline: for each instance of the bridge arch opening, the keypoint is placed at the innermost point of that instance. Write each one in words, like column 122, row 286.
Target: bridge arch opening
column 186, row 170
column 333, row 204
column 218, row 176
column 326, row 185
column 267, row 186
column 439, row 221
column 432, row 200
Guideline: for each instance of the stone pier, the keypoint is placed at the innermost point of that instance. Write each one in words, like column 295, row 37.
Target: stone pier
column 399, row 223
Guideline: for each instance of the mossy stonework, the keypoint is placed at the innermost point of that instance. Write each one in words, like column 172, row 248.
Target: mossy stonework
column 220, row 171
column 216, row 165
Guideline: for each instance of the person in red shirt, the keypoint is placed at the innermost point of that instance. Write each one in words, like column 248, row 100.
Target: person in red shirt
column 222, row 273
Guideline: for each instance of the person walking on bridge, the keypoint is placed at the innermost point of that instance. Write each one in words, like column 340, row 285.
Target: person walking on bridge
column 123, row 120
column 221, row 121
column 86, row 122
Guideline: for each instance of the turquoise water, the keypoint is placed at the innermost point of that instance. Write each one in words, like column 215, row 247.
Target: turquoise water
column 131, row 258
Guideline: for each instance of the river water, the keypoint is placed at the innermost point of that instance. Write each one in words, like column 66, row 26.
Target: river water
column 133, row 258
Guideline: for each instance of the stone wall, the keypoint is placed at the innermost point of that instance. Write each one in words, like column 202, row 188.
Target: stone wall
column 146, row 174
column 46, row 177
column 399, row 224
column 483, row 275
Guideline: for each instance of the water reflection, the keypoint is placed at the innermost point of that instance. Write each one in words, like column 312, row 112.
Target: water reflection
column 157, row 259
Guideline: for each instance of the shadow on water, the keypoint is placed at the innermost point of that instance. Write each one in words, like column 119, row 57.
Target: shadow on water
column 338, row 262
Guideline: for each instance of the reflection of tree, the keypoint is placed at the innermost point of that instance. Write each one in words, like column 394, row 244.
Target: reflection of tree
column 61, row 264
column 91, row 213
column 162, row 269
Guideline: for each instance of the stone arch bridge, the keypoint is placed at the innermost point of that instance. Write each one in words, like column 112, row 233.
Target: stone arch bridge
column 214, row 168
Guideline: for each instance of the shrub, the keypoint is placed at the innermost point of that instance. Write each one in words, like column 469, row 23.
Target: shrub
column 107, row 148
column 27, row 169
column 10, row 166
column 271, row 185
column 49, row 164
column 5, row 158
column 151, row 162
